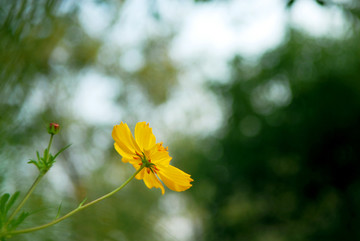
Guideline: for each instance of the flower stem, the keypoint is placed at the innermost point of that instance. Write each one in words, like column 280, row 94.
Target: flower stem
column 48, row 149
column 79, row 208
column 37, row 180
column 32, row 188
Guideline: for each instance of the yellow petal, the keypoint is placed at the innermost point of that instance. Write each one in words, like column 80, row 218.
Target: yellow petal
column 174, row 178
column 125, row 155
column 141, row 174
column 144, row 136
column 161, row 158
column 158, row 154
column 125, row 143
column 151, row 181
column 131, row 160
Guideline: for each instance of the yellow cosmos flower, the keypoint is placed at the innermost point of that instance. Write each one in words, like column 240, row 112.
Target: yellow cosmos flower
column 143, row 151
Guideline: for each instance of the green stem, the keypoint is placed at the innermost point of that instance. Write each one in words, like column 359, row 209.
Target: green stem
column 81, row 207
column 48, row 149
column 26, row 197
column 51, row 137
column 36, row 182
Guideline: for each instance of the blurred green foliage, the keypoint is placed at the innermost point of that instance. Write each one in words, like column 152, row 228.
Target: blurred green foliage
column 284, row 165
column 288, row 167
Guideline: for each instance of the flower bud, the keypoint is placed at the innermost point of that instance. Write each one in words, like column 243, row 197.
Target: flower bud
column 53, row 128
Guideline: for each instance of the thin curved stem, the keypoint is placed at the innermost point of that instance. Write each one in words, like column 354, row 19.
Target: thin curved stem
column 37, row 180
column 81, row 207
column 32, row 188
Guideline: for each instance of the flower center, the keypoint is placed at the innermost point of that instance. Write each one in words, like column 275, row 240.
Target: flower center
column 150, row 167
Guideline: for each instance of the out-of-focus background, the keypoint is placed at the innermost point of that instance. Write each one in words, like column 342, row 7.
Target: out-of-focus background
column 258, row 100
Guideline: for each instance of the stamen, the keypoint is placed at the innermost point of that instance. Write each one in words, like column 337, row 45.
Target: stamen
column 140, row 164
column 148, row 170
column 136, row 157
column 149, row 160
column 162, row 148
column 155, row 168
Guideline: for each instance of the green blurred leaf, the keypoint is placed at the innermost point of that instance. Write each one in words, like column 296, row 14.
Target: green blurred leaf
column 82, row 202
column 58, row 212
column 61, row 150
column 17, row 221
column 12, row 201
column 4, row 198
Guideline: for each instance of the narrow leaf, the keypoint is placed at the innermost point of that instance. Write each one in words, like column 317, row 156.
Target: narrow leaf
column 16, row 222
column 12, row 201
column 82, row 203
column 61, row 150
column 38, row 156
column 58, row 213
column 35, row 163
column 45, row 155
column 4, row 198
column 51, row 160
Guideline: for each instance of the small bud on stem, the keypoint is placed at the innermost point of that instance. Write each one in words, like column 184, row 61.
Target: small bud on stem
column 53, row 128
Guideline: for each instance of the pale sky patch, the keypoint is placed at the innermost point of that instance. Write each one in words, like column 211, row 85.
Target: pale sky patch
column 94, row 100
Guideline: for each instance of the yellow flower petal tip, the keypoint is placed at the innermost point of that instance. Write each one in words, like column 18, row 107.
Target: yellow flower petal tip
column 143, row 151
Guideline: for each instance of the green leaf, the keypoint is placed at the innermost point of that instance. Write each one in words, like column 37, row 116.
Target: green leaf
column 35, row 163
column 51, row 160
column 12, row 201
column 4, row 198
column 38, row 156
column 58, row 213
column 45, row 155
column 82, row 203
column 16, row 222
column 61, row 150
